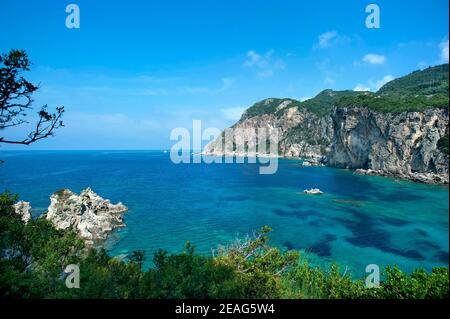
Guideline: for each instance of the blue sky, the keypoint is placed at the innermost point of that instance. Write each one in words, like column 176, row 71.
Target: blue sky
column 135, row 70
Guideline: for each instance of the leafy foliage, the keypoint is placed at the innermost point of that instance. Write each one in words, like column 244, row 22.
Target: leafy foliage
column 394, row 104
column 433, row 80
column 34, row 255
column 417, row 91
column 16, row 100
column 323, row 103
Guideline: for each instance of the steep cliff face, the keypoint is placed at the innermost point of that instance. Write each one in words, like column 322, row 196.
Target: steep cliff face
column 401, row 131
column 302, row 133
column 398, row 144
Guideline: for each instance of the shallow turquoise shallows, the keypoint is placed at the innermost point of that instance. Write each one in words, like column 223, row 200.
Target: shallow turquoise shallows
column 360, row 220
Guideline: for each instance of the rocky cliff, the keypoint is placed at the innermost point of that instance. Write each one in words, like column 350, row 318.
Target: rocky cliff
column 302, row 133
column 88, row 214
column 398, row 144
column 383, row 133
column 23, row 209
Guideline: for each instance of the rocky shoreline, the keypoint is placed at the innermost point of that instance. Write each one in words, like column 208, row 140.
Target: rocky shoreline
column 426, row 178
column 90, row 216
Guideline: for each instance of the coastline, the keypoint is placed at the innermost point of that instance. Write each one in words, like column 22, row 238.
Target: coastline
column 319, row 160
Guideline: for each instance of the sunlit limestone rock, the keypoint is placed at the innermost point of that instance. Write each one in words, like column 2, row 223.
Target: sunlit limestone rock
column 88, row 214
column 302, row 134
column 403, row 145
column 23, row 210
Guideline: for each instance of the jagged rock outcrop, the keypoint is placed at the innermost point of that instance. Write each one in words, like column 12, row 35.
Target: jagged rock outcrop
column 23, row 209
column 88, row 214
column 403, row 144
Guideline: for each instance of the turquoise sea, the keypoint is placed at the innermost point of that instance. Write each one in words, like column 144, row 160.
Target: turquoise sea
column 360, row 220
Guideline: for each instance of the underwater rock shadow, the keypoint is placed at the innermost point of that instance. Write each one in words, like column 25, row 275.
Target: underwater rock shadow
column 442, row 256
column 366, row 234
column 323, row 248
column 425, row 244
column 398, row 197
column 299, row 213
column 421, row 232
column 393, row 221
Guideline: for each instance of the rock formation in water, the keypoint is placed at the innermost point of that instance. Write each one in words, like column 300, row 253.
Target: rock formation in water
column 313, row 191
column 23, row 209
column 401, row 130
column 88, row 214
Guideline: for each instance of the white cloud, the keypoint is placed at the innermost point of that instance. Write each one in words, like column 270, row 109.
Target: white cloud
column 232, row 113
column 327, row 39
column 383, row 81
column 252, row 58
column 443, row 56
column 361, row 88
column 372, row 58
column 265, row 63
column 372, row 85
column 305, row 98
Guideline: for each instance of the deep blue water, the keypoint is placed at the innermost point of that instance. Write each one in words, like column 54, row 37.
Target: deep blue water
column 360, row 220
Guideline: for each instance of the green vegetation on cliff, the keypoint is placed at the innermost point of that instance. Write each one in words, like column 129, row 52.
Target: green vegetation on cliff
column 432, row 80
column 267, row 106
column 34, row 255
column 320, row 105
column 417, row 91
column 323, row 103
column 388, row 103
